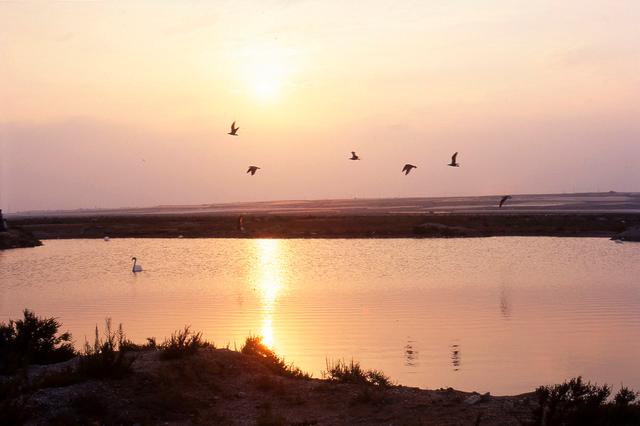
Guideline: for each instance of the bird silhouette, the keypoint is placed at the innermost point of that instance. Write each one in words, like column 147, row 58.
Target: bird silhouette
column 234, row 129
column 407, row 168
column 253, row 170
column 453, row 161
column 354, row 156
column 504, row 199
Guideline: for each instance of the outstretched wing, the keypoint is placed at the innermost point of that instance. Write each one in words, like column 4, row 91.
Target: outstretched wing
column 453, row 158
column 405, row 168
column 233, row 127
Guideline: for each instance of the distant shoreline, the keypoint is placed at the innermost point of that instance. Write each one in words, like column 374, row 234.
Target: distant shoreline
column 329, row 226
column 574, row 203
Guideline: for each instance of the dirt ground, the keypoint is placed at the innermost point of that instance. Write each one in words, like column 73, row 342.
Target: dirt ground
column 224, row 387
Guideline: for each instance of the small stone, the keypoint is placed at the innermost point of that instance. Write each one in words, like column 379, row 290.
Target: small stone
column 473, row 399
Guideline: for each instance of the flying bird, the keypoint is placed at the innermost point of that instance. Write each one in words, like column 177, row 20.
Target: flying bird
column 407, row 168
column 253, row 170
column 453, row 161
column 234, row 129
column 136, row 266
column 354, row 156
column 504, row 199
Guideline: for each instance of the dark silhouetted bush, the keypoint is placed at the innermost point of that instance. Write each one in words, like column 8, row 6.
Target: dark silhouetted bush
column 253, row 346
column 576, row 403
column 32, row 340
column 182, row 343
column 340, row 371
column 106, row 358
column 129, row 346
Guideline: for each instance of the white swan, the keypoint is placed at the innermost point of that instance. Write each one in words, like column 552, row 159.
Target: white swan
column 136, row 266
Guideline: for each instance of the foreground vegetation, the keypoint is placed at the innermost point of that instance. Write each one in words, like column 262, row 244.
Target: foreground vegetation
column 32, row 340
column 186, row 380
column 583, row 404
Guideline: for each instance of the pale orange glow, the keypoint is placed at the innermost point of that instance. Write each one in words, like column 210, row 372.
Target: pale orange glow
column 267, row 330
column 265, row 69
column 269, row 284
column 413, row 82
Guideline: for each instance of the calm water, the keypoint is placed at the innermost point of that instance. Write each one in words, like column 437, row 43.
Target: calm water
column 491, row 314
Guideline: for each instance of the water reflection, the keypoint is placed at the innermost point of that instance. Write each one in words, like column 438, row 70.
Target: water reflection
column 455, row 357
column 410, row 354
column 269, row 283
column 505, row 303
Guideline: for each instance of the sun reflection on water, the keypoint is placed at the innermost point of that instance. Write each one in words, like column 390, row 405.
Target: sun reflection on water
column 269, row 284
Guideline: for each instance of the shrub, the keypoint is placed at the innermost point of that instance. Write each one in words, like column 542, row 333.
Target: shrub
column 625, row 396
column 342, row 372
column 32, row 340
column 106, row 358
column 253, row 346
column 182, row 343
column 578, row 403
column 129, row 346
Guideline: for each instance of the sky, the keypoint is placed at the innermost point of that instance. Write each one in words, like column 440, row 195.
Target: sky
column 128, row 104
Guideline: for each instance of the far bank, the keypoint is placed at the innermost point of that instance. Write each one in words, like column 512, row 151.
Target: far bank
column 328, row 225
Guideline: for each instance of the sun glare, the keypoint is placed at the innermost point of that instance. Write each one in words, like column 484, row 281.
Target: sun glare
column 266, row 88
column 267, row 70
column 269, row 284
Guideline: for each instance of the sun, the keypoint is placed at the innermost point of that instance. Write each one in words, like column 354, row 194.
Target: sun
column 267, row 71
column 266, row 85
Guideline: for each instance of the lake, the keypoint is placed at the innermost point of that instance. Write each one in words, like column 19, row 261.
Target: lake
column 488, row 314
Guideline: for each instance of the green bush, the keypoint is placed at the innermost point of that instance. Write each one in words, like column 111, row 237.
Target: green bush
column 32, row 340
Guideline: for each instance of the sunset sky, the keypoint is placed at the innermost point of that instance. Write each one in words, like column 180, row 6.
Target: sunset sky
column 114, row 104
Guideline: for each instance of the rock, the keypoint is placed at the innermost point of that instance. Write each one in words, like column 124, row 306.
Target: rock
column 473, row 399
column 631, row 234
